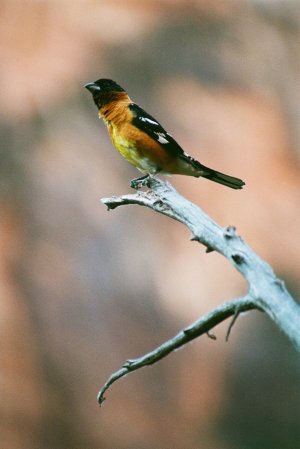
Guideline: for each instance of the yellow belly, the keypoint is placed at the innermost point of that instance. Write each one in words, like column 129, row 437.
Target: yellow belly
column 129, row 150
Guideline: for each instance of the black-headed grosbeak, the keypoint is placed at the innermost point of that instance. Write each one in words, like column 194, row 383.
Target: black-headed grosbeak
column 143, row 141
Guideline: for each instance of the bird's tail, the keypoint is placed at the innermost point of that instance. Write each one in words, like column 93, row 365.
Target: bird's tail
column 226, row 180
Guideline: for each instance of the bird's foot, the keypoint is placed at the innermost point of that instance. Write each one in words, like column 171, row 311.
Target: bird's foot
column 137, row 183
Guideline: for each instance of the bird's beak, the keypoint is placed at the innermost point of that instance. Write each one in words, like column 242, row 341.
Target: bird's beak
column 92, row 87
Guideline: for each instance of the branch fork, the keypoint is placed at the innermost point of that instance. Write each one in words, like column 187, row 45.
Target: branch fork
column 266, row 292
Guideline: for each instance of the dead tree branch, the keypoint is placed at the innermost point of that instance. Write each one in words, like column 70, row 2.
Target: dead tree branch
column 266, row 292
column 199, row 327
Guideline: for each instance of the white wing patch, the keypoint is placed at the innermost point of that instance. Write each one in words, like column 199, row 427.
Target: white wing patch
column 145, row 119
column 162, row 138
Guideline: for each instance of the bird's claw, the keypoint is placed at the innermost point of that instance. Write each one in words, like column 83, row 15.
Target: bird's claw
column 137, row 183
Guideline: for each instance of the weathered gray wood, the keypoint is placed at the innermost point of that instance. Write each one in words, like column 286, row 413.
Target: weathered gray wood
column 266, row 292
column 199, row 327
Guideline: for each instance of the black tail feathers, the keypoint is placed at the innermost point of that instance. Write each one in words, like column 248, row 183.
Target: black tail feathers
column 226, row 180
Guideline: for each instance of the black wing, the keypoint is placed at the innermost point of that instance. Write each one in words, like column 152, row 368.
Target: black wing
column 145, row 122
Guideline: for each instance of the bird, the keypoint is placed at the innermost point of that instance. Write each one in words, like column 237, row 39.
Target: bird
column 142, row 140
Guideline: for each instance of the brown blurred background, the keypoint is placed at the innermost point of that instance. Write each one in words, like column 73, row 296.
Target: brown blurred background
column 81, row 289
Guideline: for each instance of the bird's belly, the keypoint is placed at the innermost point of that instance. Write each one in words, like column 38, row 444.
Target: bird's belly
column 133, row 155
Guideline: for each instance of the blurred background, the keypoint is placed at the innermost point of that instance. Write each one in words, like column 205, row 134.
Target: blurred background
column 81, row 289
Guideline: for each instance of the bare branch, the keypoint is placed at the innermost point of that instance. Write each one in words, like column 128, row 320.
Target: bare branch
column 199, row 327
column 232, row 323
column 265, row 291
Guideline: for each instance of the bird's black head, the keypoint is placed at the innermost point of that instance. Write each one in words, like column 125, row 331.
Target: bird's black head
column 103, row 91
column 104, row 85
